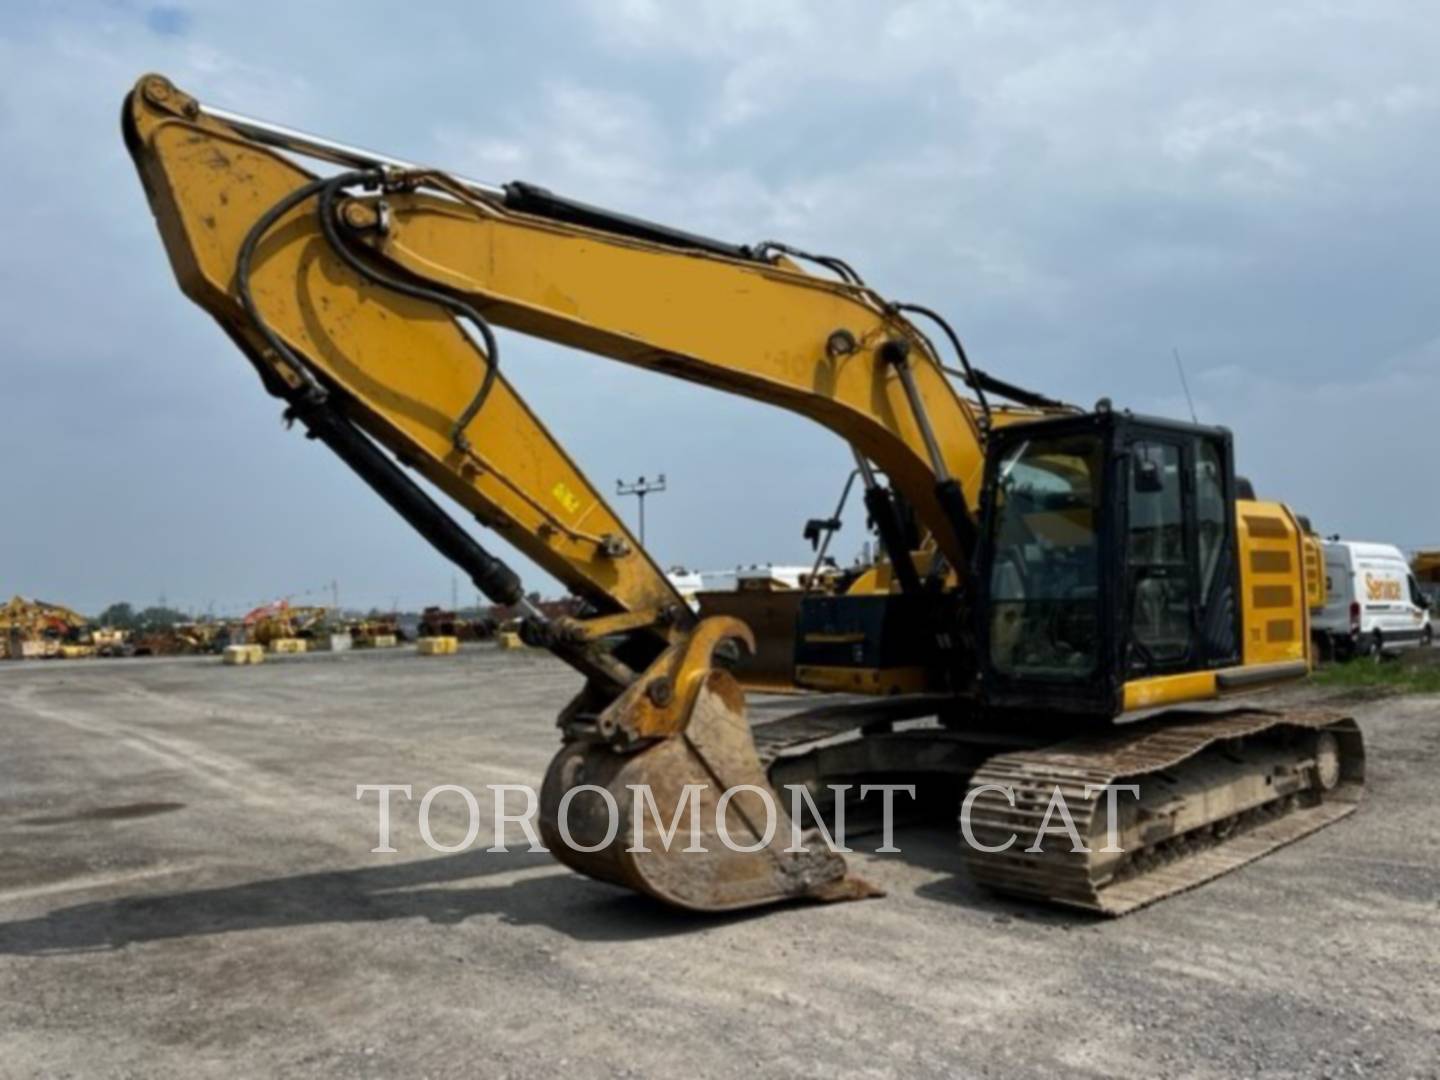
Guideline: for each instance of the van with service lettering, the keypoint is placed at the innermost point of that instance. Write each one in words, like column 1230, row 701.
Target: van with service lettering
column 1373, row 605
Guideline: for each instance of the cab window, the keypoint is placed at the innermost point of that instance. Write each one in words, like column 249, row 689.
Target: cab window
column 1044, row 578
column 1160, row 603
column 1210, row 516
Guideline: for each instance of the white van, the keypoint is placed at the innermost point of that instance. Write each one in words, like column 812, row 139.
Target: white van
column 1373, row 604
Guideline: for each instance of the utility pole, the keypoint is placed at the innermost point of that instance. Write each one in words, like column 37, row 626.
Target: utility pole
column 640, row 488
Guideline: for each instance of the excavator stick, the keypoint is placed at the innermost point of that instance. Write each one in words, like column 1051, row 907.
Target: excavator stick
column 665, row 794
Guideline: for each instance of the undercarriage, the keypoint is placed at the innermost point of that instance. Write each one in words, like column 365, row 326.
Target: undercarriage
column 1106, row 822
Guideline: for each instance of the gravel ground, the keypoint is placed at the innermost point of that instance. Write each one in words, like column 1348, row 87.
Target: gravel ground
column 187, row 889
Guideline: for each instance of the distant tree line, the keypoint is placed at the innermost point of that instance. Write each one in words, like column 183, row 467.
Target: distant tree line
column 123, row 616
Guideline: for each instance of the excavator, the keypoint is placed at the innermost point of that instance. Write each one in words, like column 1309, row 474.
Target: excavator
column 1071, row 601
column 282, row 619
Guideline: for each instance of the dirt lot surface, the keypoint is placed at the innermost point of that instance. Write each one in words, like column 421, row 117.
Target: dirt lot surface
column 187, row 889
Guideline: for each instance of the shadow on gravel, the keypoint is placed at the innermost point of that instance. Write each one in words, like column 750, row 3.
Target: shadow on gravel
column 436, row 889
column 565, row 901
column 937, row 848
column 123, row 812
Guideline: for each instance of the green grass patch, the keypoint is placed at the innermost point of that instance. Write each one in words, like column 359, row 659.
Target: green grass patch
column 1397, row 676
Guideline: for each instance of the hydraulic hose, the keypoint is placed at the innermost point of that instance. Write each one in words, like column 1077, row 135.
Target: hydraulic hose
column 325, row 422
column 243, row 267
column 949, row 332
column 370, row 178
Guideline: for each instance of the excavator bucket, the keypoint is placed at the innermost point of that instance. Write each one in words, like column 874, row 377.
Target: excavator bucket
column 685, row 813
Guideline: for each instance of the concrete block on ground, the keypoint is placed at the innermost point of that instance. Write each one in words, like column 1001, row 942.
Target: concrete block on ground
column 437, row 646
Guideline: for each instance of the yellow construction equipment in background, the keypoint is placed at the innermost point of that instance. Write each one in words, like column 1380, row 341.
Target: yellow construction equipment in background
column 374, row 632
column 111, row 641
column 283, row 621
column 34, row 629
column 1056, row 583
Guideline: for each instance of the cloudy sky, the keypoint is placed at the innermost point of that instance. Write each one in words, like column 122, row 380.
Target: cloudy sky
column 1081, row 187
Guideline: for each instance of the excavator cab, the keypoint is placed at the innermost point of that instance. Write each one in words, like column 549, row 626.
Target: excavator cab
column 1107, row 555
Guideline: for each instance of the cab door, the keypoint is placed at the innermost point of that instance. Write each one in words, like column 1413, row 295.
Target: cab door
column 1180, row 602
column 1159, row 597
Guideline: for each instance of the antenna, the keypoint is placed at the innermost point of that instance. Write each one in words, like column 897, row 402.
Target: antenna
column 1184, row 385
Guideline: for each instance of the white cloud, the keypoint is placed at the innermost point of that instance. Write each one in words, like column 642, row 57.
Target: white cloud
column 1081, row 187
